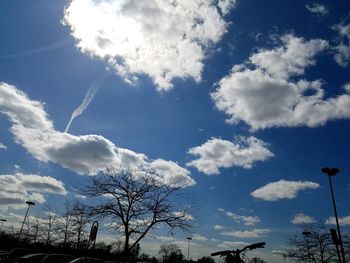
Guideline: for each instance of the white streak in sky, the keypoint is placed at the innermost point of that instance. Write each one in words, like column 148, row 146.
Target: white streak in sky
column 93, row 89
column 36, row 50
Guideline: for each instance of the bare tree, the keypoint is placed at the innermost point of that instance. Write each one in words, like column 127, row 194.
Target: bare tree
column 34, row 231
column 170, row 253
column 48, row 224
column 314, row 244
column 135, row 201
column 117, row 247
column 256, row 260
column 206, row 260
column 346, row 243
column 65, row 223
column 79, row 220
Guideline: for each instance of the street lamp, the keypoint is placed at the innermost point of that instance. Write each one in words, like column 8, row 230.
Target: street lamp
column 2, row 222
column 332, row 172
column 188, row 248
column 25, row 217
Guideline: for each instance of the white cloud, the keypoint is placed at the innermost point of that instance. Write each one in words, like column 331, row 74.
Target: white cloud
column 80, row 196
column 163, row 238
column 246, row 220
column 347, row 87
column 302, row 219
column 263, row 94
column 162, row 39
column 14, row 220
column 217, row 153
column 344, row 221
column 218, row 227
column 290, row 59
column 85, row 154
column 16, row 189
column 282, row 190
column 199, row 237
column 103, row 237
column 342, row 56
column 226, row 5
column 21, row 110
column 233, row 244
column 172, row 172
column 184, row 215
column 317, row 9
column 2, row 146
column 255, row 233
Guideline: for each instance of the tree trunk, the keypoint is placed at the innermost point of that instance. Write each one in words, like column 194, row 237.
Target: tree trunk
column 126, row 246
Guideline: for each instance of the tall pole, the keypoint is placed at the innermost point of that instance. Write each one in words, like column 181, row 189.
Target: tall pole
column 2, row 222
column 25, row 217
column 188, row 248
column 332, row 172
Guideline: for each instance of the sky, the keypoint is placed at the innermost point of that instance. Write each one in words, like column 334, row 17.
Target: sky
column 241, row 101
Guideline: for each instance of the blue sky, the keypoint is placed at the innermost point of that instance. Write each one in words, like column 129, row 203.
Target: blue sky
column 243, row 101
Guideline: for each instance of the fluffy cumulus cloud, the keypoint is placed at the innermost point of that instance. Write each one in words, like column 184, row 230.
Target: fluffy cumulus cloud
column 226, row 5
column 255, row 233
column 16, row 189
column 317, row 9
column 86, row 154
column 218, row 227
column 290, row 59
column 172, row 172
column 265, row 92
column 246, row 220
column 160, row 38
column 283, row 190
column 302, row 219
column 342, row 55
column 217, row 153
column 2, row 146
column 344, row 221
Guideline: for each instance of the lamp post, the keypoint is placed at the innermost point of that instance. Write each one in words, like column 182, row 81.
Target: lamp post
column 29, row 203
column 188, row 248
column 2, row 222
column 332, row 172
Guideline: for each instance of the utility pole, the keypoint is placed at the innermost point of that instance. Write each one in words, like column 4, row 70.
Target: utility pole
column 25, row 217
column 332, row 172
column 188, row 248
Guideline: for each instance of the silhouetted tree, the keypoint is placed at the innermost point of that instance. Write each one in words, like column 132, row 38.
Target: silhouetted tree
column 147, row 258
column 79, row 220
column 346, row 243
column 135, row 201
column 256, row 260
column 144, row 257
column 206, row 260
column 117, row 247
column 46, row 233
column 316, row 246
column 170, row 253
column 35, row 229
column 66, row 223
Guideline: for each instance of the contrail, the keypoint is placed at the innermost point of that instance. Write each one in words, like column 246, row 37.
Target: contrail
column 94, row 87
column 36, row 50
